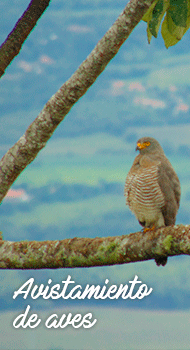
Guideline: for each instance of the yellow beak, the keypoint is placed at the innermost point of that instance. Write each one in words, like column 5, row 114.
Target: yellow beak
column 142, row 145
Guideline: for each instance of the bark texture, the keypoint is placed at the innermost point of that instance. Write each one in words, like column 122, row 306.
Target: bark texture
column 90, row 252
column 39, row 132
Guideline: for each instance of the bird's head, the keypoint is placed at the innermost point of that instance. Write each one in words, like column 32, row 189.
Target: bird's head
column 148, row 145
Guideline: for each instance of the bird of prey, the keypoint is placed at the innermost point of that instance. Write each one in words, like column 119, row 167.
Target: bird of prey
column 152, row 188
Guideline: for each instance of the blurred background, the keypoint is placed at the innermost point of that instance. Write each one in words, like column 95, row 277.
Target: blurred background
column 75, row 185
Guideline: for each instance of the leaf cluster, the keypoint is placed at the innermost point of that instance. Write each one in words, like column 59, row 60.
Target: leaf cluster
column 176, row 14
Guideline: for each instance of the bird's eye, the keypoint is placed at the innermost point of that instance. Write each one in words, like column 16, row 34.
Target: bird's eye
column 146, row 144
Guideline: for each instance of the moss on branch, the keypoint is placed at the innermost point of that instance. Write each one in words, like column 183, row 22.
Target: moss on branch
column 90, row 252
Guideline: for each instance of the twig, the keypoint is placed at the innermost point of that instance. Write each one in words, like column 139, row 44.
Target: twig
column 13, row 43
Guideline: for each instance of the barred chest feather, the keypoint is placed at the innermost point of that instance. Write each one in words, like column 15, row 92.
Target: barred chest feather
column 143, row 194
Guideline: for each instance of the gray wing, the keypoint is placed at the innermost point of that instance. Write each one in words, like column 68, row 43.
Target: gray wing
column 170, row 187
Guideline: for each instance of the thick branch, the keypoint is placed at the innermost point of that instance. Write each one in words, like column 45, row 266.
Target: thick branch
column 39, row 132
column 13, row 43
column 89, row 252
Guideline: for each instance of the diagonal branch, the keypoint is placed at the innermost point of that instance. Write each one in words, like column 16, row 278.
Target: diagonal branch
column 90, row 252
column 39, row 132
column 13, row 43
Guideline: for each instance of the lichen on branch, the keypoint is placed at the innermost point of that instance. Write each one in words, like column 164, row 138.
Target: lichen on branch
column 99, row 251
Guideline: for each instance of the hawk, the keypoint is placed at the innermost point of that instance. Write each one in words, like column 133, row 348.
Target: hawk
column 152, row 188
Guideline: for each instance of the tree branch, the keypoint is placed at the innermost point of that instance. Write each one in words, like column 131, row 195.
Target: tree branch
column 90, row 252
column 39, row 132
column 13, row 43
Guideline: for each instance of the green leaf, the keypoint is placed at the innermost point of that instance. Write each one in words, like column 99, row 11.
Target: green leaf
column 147, row 18
column 174, row 30
column 148, row 14
column 154, row 16
column 178, row 11
column 149, row 35
column 169, row 39
column 176, row 21
column 157, row 15
column 172, row 33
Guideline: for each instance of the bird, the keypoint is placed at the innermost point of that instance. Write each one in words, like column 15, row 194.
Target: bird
column 152, row 188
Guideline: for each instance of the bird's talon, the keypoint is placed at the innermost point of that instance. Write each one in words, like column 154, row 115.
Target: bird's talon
column 146, row 229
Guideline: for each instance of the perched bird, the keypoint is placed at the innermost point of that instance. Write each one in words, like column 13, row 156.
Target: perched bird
column 152, row 188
